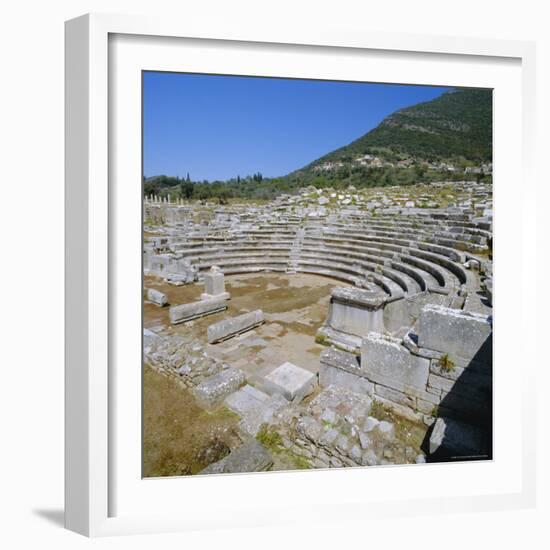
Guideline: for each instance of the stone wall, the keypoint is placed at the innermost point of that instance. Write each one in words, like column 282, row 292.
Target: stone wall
column 445, row 368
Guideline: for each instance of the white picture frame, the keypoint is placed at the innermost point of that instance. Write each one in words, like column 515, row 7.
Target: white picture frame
column 95, row 483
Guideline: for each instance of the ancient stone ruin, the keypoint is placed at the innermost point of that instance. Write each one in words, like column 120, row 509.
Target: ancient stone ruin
column 407, row 333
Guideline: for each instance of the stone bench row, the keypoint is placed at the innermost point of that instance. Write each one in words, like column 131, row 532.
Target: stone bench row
column 194, row 249
column 446, row 240
column 419, row 234
column 443, row 256
column 472, row 227
column 424, row 262
column 409, row 279
column 443, row 270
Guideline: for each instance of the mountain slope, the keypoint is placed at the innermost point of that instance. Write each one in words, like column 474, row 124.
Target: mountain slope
column 456, row 125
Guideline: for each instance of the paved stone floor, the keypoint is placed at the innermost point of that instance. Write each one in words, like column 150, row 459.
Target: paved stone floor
column 294, row 305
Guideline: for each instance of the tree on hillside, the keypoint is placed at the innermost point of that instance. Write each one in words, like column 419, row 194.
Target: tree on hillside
column 186, row 188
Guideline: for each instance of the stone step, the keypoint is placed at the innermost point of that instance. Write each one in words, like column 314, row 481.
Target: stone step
column 245, row 400
column 254, row 407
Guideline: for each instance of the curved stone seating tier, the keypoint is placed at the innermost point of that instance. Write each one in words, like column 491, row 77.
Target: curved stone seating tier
column 415, row 224
column 244, row 266
column 357, row 275
column 218, row 259
column 419, row 270
column 447, row 281
column 370, row 263
column 420, row 235
column 410, row 281
column 402, row 251
column 444, row 248
column 457, row 270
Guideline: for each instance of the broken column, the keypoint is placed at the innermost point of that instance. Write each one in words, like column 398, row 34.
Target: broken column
column 214, row 285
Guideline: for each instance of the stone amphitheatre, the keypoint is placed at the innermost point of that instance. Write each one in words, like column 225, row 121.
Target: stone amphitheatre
column 331, row 328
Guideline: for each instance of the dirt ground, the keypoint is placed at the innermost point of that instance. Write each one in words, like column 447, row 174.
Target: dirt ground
column 180, row 438
column 294, row 306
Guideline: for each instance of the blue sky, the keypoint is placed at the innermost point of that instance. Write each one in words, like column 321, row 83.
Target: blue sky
column 218, row 127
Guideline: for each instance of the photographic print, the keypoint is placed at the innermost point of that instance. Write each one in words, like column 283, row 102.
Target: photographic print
column 317, row 274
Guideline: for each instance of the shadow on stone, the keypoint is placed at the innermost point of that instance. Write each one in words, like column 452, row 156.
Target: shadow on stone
column 463, row 430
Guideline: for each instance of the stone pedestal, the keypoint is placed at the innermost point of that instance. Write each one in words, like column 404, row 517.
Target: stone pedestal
column 214, row 285
column 357, row 311
column 352, row 314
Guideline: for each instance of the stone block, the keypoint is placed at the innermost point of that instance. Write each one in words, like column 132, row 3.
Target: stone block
column 156, row 297
column 194, row 310
column 395, row 396
column 464, row 336
column 425, row 406
column 385, row 361
column 214, row 282
column 370, row 424
column 357, row 311
column 227, row 328
column 440, row 383
column 329, row 375
column 245, row 399
column 212, row 391
column 263, row 413
column 386, row 429
column 251, row 456
column 342, row 360
column 292, row 382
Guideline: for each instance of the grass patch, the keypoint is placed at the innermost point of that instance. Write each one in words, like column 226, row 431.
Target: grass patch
column 446, row 364
column 273, row 442
column 269, row 438
column 179, row 437
column 322, row 340
column 408, row 432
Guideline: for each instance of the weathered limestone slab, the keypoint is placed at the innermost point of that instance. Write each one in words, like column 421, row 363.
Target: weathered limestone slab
column 464, row 336
column 456, row 439
column 245, row 400
column 211, row 392
column 263, row 413
column 395, row 396
column 292, row 382
column 385, row 361
column 357, row 311
column 193, row 310
column 251, row 456
column 342, row 369
column 341, row 359
column 157, row 297
column 329, row 376
column 343, row 340
column 214, row 285
column 227, row 328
